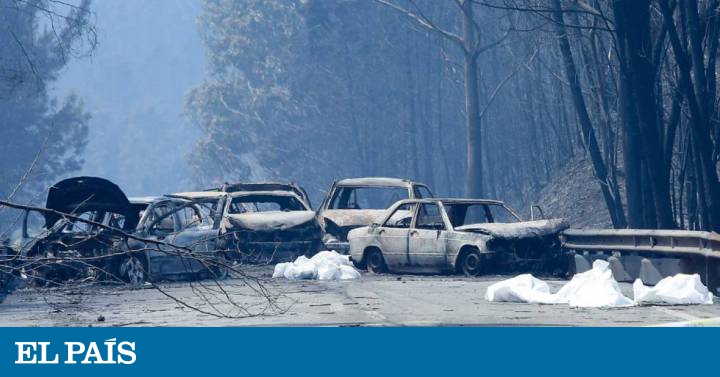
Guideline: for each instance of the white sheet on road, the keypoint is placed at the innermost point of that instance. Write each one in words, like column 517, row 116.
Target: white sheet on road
column 591, row 289
column 325, row 265
column 522, row 288
column 596, row 288
column 681, row 289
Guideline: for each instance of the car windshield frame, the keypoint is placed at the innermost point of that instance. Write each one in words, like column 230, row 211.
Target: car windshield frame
column 341, row 188
column 302, row 205
column 418, row 195
column 202, row 206
column 447, row 208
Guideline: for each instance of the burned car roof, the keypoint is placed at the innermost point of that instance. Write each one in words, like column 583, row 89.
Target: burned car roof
column 517, row 229
column 144, row 199
column 454, row 200
column 264, row 186
column 256, row 186
column 217, row 194
column 82, row 194
column 374, row 181
column 198, row 195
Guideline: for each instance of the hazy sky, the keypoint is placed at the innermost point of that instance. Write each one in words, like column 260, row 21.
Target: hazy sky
column 149, row 55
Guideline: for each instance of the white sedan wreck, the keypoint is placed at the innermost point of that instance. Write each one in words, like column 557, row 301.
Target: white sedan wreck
column 465, row 236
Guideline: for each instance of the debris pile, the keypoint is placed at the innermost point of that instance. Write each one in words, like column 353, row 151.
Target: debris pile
column 325, row 265
column 597, row 288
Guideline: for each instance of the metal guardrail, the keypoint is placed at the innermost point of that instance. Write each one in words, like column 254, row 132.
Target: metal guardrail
column 696, row 252
column 643, row 240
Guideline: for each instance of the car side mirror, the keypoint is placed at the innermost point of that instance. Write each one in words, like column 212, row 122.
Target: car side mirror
column 536, row 209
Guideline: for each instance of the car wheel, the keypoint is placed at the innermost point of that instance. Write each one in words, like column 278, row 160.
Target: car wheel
column 133, row 271
column 375, row 262
column 471, row 263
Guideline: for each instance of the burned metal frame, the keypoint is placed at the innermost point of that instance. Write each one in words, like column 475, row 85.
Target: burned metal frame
column 11, row 264
column 533, row 243
column 336, row 223
column 269, row 236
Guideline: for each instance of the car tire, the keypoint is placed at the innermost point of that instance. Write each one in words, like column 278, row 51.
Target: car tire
column 471, row 263
column 375, row 261
column 133, row 270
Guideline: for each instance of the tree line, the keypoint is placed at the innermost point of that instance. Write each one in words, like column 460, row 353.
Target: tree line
column 484, row 98
column 478, row 98
column 42, row 137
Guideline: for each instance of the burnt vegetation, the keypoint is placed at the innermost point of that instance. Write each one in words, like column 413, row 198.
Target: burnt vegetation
column 476, row 98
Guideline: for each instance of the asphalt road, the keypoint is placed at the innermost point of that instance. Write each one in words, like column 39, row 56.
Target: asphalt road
column 375, row 300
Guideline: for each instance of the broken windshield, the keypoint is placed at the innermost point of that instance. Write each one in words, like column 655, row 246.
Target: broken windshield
column 350, row 197
column 478, row 213
column 265, row 203
column 77, row 226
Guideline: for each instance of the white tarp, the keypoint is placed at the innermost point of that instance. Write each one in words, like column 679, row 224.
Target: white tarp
column 596, row 288
column 522, row 288
column 325, row 265
column 681, row 289
column 591, row 289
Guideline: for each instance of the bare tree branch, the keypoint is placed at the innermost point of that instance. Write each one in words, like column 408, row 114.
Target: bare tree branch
column 421, row 19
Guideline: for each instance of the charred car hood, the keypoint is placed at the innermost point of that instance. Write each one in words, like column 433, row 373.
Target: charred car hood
column 271, row 220
column 525, row 229
column 82, row 194
column 353, row 217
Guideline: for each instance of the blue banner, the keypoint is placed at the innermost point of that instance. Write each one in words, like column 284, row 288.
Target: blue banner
column 355, row 351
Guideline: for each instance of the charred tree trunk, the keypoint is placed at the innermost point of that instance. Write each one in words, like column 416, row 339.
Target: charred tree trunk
column 632, row 22
column 708, row 185
column 472, row 107
column 586, row 127
column 631, row 138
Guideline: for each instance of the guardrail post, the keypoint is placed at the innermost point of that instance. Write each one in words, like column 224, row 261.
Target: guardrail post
column 618, row 270
column 582, row 264
column 649, row 274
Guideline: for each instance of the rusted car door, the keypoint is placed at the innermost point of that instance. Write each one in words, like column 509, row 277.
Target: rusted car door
column 427, row 239
column 393, row 236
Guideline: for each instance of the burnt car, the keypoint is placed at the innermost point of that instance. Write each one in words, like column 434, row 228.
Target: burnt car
column 464, row 236
column 66, row 248
column 356, row 202
column 263, row 226
column 185, row 232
